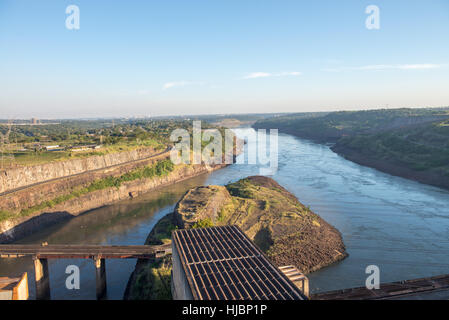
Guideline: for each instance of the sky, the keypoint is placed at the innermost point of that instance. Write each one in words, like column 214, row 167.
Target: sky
column 178, row 57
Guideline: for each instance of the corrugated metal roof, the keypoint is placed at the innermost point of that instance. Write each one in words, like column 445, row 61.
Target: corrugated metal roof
column 423, row 288
column 222, row 263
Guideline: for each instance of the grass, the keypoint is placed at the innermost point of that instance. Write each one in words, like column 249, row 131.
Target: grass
column 163, row 231
column 203, row 223
column 161, row 168
column 5, row 215
column 153, row 282
column 226, row 211
column 33, row 158
column 241, row 189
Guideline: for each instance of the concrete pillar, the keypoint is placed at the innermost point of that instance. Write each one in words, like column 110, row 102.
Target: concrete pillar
column 42, row 279
column 100, row 269
column 305, row 287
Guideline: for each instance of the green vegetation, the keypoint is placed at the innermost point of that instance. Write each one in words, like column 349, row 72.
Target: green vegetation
column 286, row 230
column 394, row 140
column 240, row 189
column 152, row 282
column 161, row 233
column 329, row 127
column 160, row 168
column 151, row 279
column 27, row 144
column 421, row 148
column 4, row 215
column 203, row 223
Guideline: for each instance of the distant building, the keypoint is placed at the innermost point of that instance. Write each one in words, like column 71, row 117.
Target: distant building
column 52, row 148
column 85, row 148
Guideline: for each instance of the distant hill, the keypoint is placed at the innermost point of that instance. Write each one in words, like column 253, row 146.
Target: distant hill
column 419, row 152
column 412, row 143
column 329, row 127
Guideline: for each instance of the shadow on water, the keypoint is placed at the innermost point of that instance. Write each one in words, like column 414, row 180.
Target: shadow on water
column 397, row 224
column 126, row 223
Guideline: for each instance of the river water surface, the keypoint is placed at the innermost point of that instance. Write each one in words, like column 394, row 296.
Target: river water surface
column 397, row 224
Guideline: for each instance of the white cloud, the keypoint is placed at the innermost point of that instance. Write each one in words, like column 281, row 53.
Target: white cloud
column 379, row 67
column 174, row 84
column 256, row 75
column 420, row 66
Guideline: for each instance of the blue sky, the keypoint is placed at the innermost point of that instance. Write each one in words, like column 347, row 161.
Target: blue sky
column 236, row 56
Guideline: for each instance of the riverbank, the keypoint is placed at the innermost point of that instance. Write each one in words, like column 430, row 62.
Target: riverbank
column 394, row 223
column 13, row 229
column 151, row 280
column 287, row 231
column 410, row 143
column 395, row 169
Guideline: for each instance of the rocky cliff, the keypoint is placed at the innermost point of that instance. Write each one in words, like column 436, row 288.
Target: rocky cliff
column 23, row 176
column 13, row 229
column 33, row 195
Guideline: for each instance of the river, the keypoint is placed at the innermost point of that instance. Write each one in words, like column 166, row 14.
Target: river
column 399, row 225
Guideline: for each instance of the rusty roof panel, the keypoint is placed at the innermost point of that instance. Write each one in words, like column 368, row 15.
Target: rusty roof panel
column 222, row 263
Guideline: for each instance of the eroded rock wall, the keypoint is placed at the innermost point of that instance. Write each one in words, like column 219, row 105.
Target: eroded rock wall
column 34, row 195
column 23, row 176
column 13, row 229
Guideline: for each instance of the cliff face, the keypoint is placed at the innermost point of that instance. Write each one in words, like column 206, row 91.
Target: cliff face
column 23, row 176
column 200, row 203
column 13, row 229
column 33, row 195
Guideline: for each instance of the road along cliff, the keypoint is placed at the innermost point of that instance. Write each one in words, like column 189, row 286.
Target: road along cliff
column 12, row 179
column 39, row 205
column 100, row 192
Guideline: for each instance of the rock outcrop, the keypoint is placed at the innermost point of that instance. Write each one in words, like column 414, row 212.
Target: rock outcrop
column 13, row 229
column 27, row 175
column 287, row 231
column 33, row 195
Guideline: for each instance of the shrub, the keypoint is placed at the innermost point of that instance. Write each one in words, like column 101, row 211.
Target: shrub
column 161, row 168
column 203, row 223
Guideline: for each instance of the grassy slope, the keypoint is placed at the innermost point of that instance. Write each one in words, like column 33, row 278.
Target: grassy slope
column 151, row 280
column 399, row 141
column 332, row 126
column 286, row 230
column 420, row 153
column 30, row 158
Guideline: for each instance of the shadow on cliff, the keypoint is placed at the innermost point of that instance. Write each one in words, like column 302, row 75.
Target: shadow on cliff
column 36, row 223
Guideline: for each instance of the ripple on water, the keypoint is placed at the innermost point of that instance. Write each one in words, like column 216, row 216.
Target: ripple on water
column 400, row 225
